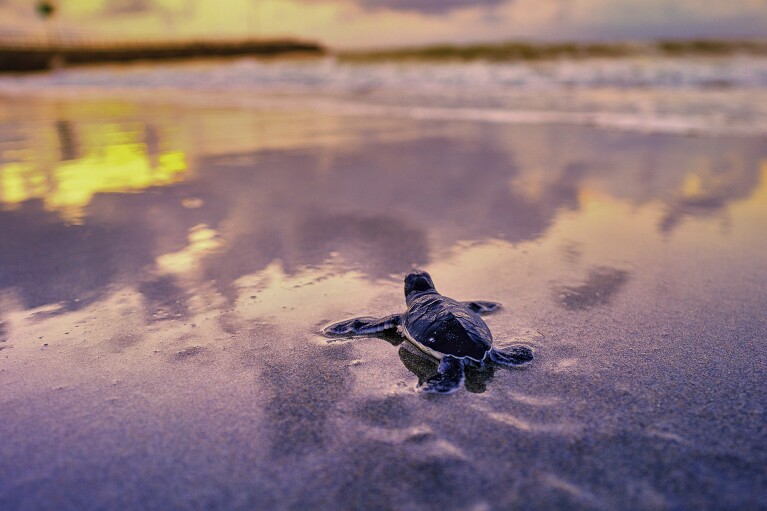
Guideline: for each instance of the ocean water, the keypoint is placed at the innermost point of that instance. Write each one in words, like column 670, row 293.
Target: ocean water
column 174, row 237
column 723, row 95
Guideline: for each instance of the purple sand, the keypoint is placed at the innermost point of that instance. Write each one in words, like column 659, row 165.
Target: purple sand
column 181, row 309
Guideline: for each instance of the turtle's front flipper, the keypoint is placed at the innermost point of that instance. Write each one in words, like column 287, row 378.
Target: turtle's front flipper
column 514, row 356
column 481, row 307
column 362, row 326
column 449, row 377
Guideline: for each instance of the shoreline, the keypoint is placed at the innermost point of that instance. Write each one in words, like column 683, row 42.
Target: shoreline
column 345, row 107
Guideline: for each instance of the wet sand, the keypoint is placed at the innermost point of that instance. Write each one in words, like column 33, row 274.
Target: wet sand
column 159, row 320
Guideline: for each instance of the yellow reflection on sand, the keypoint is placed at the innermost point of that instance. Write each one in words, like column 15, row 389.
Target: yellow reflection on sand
column 202, row 240
column 115, row 161
column 597, row 233
column 332, row 292
column 758, row 199
column 750, row 215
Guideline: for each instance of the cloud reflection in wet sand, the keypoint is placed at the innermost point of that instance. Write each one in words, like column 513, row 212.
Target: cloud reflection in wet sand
column 290, row 206
column 189, row 309
column 598, row 288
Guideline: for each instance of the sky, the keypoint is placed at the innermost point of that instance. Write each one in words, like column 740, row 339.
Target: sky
column 390, row 23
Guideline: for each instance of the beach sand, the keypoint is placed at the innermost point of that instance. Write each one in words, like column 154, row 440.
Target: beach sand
column 160, row 317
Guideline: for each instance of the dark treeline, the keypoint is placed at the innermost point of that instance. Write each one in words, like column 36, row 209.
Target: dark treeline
column 37, row 58
column 510, row 51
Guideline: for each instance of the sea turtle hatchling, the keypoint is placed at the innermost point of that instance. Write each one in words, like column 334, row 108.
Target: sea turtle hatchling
column 441, row 328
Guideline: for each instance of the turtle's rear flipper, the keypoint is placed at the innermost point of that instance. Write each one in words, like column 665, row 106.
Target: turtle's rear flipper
column 481, row 307
column 449, row 378
column 514, row 356
column 362, row 326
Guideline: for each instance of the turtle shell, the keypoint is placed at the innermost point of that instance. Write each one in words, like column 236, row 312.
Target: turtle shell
column 447, row 327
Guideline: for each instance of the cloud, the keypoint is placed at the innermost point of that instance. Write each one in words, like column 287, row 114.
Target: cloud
column 429, row 7
column 127, row 6
column 380, row 23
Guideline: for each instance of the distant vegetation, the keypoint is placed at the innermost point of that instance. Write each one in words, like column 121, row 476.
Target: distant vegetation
column 37, row 56
column 512, row 51
column 711, row 47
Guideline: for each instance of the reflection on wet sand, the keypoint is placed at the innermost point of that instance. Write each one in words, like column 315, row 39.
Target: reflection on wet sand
column 174, row 317
column 598, row 288
column 369, row 206
column 424, row 368
column 46, row 261
column 118, row 161
column 164, row 299
column 708, row 188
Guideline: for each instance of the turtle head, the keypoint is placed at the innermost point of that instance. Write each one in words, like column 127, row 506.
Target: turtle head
column 418, row 281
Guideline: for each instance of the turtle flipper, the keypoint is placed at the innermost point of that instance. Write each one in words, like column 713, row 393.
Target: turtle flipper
column 514, row 356
column 449, row 378
column 482, row 307
column 362, row 326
